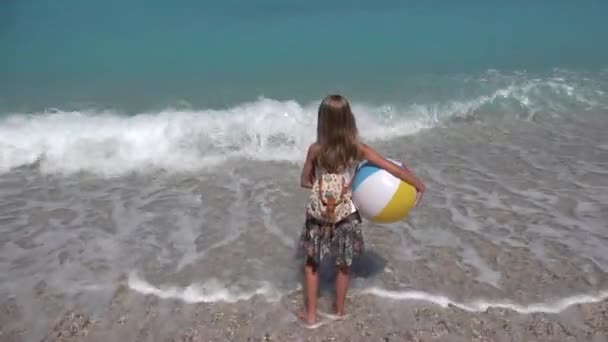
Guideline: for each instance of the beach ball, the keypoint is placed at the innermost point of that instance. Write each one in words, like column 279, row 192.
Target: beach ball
column 379, row 196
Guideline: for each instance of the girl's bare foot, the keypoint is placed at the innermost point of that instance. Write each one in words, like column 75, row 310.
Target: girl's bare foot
column 336, row 312
column 310, row 321
column 333, row 315
column 308, row 318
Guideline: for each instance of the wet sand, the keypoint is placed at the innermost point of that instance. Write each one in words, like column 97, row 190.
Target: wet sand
column 368, row 319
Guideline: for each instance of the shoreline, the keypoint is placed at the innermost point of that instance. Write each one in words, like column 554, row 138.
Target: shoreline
column 131, row 316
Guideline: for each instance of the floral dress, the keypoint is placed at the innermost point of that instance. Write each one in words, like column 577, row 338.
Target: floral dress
column 342, row 242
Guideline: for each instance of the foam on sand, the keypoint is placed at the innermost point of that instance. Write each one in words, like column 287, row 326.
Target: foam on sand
column 209, row 292
column 213, row 291
column 479, row 305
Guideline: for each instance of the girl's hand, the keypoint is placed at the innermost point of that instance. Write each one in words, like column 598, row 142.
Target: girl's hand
column 399, row 171
column 419, row 190
column 418, row 197
column 306, row 185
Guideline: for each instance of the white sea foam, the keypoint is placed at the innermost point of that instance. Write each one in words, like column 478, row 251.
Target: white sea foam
column 208, row 292
column 214, row 291
column 479, row 305
column 265, row 129
column 107, row 143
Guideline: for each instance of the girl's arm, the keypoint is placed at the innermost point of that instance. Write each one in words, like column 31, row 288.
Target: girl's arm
column 400, row 172
column 307, row 176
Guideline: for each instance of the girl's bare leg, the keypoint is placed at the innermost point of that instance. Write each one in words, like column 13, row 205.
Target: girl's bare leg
column 342, row 278
column 311, row 286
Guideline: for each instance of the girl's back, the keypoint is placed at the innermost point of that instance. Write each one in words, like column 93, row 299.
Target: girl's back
column 347, row 172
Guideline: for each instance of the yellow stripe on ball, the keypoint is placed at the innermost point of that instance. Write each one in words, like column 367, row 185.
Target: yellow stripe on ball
column 400, row 204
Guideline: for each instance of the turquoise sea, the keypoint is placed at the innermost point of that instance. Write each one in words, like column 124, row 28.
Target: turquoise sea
column 150, row 154
column 143, row 55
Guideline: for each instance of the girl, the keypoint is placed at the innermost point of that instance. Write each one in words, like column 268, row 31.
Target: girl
column 337, row 150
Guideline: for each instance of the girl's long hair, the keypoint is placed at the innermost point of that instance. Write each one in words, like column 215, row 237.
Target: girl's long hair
column 337, row 134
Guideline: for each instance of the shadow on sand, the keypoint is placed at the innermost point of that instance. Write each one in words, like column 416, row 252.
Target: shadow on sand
column 366, row 265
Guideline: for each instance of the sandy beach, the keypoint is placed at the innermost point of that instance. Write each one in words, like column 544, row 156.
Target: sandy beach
column 152, row 319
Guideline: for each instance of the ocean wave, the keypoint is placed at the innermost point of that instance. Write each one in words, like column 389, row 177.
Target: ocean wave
column 105, row 142
column 108, row 143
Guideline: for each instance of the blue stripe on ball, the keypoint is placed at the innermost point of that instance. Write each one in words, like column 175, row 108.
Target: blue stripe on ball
column 365, row 170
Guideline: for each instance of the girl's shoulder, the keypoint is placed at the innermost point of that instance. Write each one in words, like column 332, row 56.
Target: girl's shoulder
column 314, row 150
column 365, row 151
column 363, row 147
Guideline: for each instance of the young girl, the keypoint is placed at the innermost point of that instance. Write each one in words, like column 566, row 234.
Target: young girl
column 337, row 150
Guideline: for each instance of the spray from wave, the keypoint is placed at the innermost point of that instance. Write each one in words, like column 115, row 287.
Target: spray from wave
column 107, row 143
column 183, row 140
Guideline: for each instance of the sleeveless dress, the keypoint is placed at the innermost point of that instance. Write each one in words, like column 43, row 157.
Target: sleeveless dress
column 343, row 243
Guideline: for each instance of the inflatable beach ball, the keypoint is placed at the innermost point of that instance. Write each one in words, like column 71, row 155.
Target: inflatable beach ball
column 379, row 196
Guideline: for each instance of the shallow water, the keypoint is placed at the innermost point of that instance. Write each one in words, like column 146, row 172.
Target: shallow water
column 515, row 216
